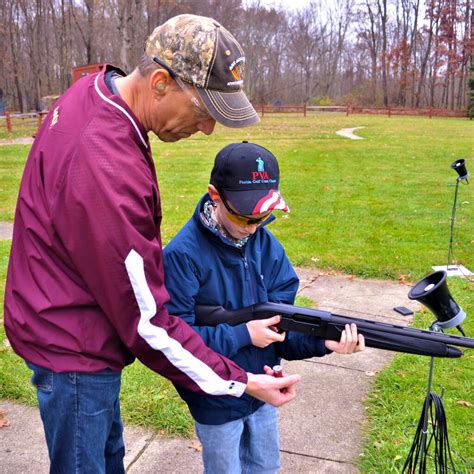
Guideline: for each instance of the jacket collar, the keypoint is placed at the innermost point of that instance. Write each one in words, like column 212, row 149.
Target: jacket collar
column 104, row 93
column 214, row 232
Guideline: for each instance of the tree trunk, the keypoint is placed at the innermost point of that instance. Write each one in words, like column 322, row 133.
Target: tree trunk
column 13, row 25
column 424, row 62
column 90, row 44
column 373, row 52
column 382, row 9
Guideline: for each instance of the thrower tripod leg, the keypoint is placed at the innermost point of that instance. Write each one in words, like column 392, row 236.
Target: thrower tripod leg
column 424, row 434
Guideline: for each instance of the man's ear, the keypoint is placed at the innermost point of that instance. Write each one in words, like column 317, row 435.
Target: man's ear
column 160, row 80
column 211, row 189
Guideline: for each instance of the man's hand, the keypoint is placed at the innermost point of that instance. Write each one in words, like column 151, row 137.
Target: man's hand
column 264, row 332
column 350, row 341
column 273, row 390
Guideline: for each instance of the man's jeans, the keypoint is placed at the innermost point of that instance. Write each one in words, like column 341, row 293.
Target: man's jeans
column 248, row 445
column 81, row 419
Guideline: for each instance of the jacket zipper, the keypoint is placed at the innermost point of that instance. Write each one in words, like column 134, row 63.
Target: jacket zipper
column 248, row 277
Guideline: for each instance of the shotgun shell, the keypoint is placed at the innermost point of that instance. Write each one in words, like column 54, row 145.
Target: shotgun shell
column 277, row 371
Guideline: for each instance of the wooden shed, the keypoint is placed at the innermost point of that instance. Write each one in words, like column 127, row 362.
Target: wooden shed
column 81, row 71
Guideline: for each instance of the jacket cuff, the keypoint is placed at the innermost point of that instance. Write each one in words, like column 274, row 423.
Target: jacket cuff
column 242, row 336
column 321, row 349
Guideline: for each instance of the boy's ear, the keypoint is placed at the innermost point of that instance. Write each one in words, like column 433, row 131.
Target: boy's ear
column 211, row 189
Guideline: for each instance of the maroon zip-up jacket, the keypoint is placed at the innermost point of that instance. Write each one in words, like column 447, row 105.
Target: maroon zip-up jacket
column 85, row 285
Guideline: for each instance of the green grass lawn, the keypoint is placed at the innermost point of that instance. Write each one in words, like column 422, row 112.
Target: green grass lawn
column 374, row 207
column 378, row 207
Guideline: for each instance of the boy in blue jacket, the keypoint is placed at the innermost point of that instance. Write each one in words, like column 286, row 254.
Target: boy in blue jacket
column 225, row 256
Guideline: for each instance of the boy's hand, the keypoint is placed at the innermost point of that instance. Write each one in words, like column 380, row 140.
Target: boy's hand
column 350, row 341
column 264, row 332
column 273, row 390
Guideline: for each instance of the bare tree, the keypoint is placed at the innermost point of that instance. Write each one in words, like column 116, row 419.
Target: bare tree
column 305, row 42
column 340, row 16
column 382, row 12
column 368, row 34
column 405, row 46
column 14, row 34
column 368, row 51
column 128, row 13
column 264, row 35
column 467, row 52
column 84, row 20
column 427, row 52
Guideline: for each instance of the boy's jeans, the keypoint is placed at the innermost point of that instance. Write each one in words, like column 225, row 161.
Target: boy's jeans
column 81, row 419
column 247, row 445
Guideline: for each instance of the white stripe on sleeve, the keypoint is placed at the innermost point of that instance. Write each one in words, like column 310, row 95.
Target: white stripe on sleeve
column 158, row 338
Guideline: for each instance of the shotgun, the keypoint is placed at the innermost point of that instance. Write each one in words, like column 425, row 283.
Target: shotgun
column 327, row 325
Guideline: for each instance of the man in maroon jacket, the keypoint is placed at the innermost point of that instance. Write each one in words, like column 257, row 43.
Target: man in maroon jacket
column 85, row 288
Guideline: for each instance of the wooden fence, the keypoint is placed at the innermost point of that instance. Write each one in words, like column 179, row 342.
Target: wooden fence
column 32, row 119
column 389, row 111
column 348, row 110
column 281, row 109
column 36, row 118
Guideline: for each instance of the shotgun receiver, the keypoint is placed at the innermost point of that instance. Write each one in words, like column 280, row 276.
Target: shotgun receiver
column 327, row 325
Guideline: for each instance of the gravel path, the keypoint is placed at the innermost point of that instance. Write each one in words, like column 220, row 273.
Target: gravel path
column 17, row 141
column 347, row 133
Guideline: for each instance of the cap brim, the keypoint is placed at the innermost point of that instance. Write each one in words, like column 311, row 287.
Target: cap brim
column 231, row 109
column 252, row 202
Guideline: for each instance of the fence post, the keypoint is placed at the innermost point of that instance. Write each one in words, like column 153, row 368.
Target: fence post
column 389, row 112
column 263, row 110
column 304, row 109
column 430, row 113
column 9, row 122
column 40, row 120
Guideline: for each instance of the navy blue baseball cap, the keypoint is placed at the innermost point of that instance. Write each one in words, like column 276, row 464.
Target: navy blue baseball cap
column 248, row 176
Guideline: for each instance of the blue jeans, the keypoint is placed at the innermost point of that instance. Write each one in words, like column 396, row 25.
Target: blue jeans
column 81, row 420
column 247, row 445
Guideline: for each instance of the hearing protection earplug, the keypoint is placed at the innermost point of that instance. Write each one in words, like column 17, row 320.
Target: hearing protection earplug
column 160, row 87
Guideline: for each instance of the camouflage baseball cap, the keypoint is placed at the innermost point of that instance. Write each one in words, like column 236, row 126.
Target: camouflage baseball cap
column 203, row 53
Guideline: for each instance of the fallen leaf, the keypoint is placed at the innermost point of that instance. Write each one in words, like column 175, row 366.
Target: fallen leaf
column 369, row 373
column 3, row 421
column 196, row 445
column 463, row 403
column 402, row 278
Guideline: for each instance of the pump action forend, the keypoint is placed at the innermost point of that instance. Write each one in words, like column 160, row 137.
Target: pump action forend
column 326, row 325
